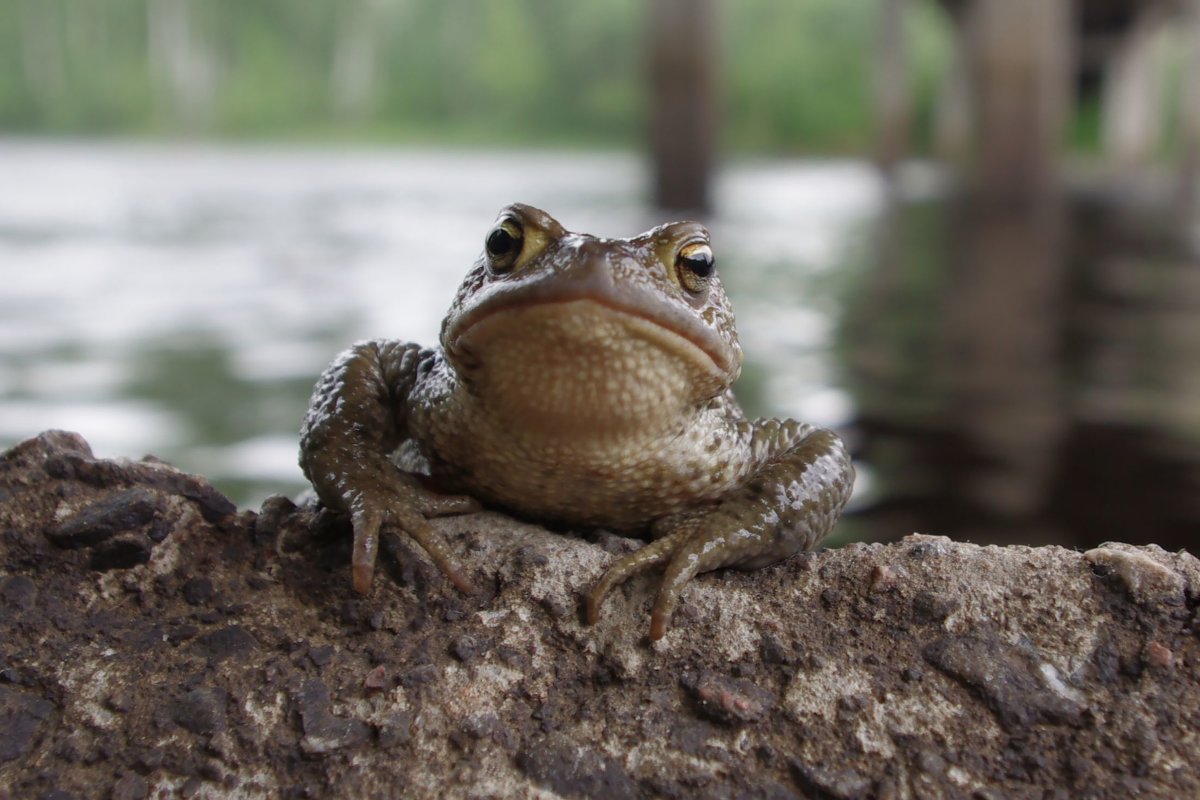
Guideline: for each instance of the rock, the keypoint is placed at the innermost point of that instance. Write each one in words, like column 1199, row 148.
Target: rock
column 202, row 711
column 773, row 651
column 57, row 794
column 1018, row 686
column 1147, row 580
column 227, row 654
column 396, row 729
column 730, row 700
column 320, row 656
column 27, row 461
column 836, row 784
column 377, row 679
column 122, row 512
column 884, row 577
column 1159, row 657
column 197, row 591
column 465, row 648
column 564, row 767
column 130, row 786
column 928, row 607
column 323, row 732
column 23, row 719
column 228, row 642
column 17, row 593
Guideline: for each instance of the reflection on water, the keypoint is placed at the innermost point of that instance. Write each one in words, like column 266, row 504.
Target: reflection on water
column 1013, row 376
column 182, row 300
column 1031, row 375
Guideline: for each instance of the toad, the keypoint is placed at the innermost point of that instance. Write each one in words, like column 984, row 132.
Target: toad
column 580, row 381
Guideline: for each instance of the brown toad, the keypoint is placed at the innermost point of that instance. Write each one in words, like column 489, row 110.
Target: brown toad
column 582, row 381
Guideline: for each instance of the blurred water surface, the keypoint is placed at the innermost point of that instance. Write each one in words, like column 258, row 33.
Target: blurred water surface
column 181, row 300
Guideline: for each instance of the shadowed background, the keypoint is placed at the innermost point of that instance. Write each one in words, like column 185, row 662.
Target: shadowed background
column 963, row 233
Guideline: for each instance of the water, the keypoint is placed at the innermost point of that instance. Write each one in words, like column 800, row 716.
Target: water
column 1030, row 374
column 181, row 300
column 998, row 378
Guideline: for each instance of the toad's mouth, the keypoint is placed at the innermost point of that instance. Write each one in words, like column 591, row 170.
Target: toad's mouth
column 571, row 319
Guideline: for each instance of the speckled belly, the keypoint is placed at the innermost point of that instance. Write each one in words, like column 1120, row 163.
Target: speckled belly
column 602, row 483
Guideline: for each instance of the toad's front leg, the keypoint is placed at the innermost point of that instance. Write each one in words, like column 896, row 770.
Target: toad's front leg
column 790, row 503
column 355, row 422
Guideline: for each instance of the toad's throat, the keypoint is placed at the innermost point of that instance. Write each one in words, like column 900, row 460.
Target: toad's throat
column 582, row 366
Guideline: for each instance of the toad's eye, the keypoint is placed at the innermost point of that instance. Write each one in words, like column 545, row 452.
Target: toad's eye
column 695, row 264
column 503, row 245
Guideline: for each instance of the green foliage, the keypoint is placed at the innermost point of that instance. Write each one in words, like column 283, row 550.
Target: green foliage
column 795, row 75
column 930, row 52
column 799, row 73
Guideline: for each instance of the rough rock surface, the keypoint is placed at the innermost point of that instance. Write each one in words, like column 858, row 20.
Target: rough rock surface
column 156, row 642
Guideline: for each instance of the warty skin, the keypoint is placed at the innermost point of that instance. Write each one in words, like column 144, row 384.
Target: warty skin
column 581, row 381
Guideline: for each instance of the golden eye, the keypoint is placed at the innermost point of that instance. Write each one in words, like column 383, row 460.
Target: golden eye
column 503, row 245
column 694, row 264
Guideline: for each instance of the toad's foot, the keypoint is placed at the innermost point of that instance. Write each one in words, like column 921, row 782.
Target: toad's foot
column 789, row 506
column 349, row 432
column 688, row 548
column 396, row 500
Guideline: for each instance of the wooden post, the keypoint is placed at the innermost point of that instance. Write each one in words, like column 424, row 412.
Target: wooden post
column 952, row 124
column 1003, row 327
column 181, row 62
column 1020, row 58
column 1189, row 173
column 355, row 65
column 44, row 55
column 893, row 112
column 683, row 52
column 1133, row 96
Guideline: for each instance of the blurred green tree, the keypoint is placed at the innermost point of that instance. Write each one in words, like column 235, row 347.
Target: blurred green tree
column 795, row 75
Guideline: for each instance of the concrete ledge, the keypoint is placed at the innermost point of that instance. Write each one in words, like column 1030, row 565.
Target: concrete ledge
column 155, row 641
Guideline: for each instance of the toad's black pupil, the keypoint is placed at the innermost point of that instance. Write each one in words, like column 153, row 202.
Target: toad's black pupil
column 500, row 242
column 700, row 265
